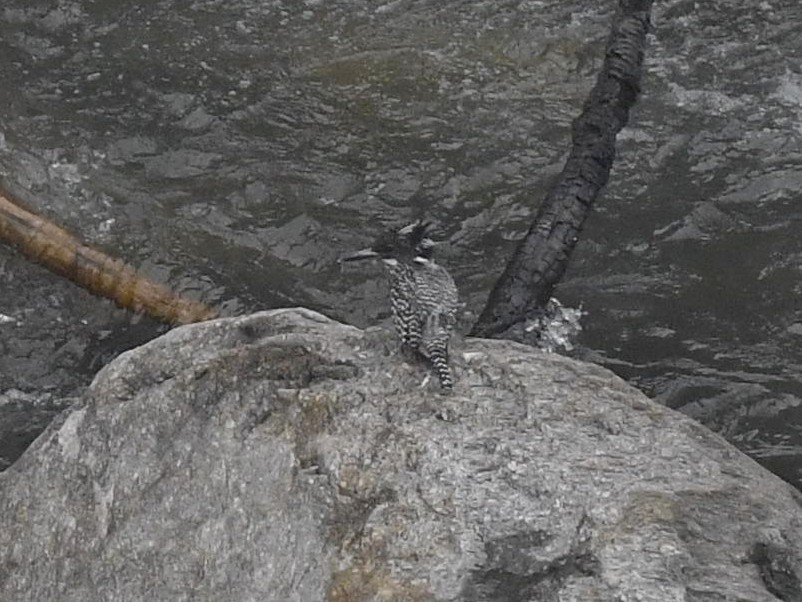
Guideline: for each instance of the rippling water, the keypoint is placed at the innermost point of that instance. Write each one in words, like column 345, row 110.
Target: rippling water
column 236, row 149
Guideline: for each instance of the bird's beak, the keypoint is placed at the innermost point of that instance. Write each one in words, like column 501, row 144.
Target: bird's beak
column 363, row 254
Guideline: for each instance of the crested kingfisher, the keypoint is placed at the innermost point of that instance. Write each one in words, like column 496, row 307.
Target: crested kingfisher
column 423, row 295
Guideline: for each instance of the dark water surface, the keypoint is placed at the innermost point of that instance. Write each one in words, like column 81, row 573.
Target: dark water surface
column 236, row 149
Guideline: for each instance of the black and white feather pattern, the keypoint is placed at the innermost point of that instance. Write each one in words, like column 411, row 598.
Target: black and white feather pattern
column 423, row 295
column 425, row 301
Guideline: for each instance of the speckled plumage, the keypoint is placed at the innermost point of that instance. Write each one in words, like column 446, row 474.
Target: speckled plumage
column 424, row 299
column 423, row 295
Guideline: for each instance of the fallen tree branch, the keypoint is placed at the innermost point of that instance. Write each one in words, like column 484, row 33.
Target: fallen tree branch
column 541, row 258
column 62, row 253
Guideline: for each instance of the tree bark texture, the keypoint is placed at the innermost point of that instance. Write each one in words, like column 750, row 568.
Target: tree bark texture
column 541, row 258
column 62, row 253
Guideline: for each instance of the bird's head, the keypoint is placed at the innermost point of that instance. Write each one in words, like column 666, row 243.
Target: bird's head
column 407, row 244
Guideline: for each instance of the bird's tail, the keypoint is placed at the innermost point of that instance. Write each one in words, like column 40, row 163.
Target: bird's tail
column 438, row 356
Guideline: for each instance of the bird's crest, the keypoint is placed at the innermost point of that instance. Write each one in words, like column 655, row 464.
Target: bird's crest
column 410, row 243
column 416, row 235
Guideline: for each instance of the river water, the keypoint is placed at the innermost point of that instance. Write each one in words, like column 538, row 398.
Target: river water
column 236, row 149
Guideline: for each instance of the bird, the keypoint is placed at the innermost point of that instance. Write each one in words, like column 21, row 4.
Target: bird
column 423, row 295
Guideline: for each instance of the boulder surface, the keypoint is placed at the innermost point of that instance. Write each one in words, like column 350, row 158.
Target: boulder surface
column 283, row 456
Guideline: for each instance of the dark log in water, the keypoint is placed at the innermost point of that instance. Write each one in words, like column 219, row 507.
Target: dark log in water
column 62, row 253
column 541, row 258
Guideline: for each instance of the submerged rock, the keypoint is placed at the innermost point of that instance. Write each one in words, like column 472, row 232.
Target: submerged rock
column 284, row 456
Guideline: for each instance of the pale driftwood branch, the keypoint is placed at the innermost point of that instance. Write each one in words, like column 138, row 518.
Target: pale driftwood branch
column 62, row 253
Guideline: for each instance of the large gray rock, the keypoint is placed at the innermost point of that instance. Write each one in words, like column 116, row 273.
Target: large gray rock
column 283, row 456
